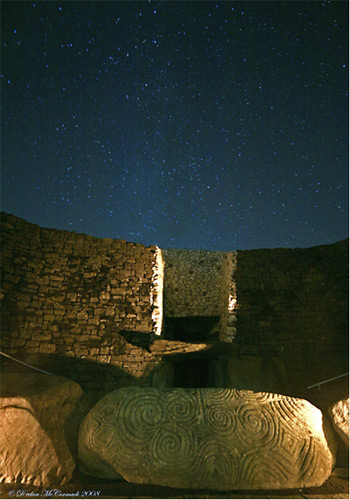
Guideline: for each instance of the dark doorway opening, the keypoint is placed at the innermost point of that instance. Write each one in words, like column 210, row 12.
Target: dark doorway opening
column 191, row 328
column 192, row 373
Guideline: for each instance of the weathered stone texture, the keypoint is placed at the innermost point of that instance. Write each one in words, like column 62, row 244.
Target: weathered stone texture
column 206, row 438
column 39, row 420
column 88, row 308
column 339, row 413
column 193, row 281
column 296, row 301
column 67, row 294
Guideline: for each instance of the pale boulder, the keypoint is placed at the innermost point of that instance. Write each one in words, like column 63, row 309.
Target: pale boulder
column 339, row 413
column 220, row 439
column 39, row 418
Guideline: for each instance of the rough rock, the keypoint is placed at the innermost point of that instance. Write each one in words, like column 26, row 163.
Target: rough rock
column 339, row 413
column 206, row 438
column 39, row 419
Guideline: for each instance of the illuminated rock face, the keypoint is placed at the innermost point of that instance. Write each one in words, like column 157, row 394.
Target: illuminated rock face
column 39, row 417
column 205, row 438
column 339, row 413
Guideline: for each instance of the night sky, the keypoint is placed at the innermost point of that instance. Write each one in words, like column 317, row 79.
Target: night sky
column 214, row 125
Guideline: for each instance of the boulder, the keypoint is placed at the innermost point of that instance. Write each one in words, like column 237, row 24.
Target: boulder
column 39, row 419
column 221, row 439
column 339, row 413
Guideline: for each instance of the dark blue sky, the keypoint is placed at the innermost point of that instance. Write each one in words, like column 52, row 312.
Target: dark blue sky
column 204, row 125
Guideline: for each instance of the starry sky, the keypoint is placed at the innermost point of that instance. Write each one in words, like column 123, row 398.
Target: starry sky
column 214, row 125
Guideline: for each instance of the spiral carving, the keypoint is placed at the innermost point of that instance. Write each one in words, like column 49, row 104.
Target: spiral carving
column 173, row 450
column 139, row 414
column 182, row 406
column 220, row 420
column 256, row 427
column 206, row 438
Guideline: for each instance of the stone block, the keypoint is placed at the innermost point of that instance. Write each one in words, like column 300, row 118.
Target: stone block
column 17, row 342
column 82, row 315
column 109, row 311
column 47, row 348
column 39, row 419
column 220, row 439
column 32, row 343
column 339, row 413
column 49, row 317
column 103, row 359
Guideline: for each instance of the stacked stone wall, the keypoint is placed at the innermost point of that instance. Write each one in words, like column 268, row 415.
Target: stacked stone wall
column 90, row 309
column 72, row 295
column 193, row 282
column 295, row 301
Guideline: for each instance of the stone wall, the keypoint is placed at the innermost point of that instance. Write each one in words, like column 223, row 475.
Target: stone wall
column 295, row 302
column 193, row 282
column 92, row 309
column 75, row 296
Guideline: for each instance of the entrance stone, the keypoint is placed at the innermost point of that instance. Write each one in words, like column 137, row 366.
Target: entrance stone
column 39, row 419
column 221, row 439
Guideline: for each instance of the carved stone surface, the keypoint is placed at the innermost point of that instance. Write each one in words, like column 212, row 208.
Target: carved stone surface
column 339, row 413
column 39, row 419
column 205, row 438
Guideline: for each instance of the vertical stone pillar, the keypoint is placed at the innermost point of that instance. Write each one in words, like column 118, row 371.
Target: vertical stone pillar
column 228, row 317
column 156, row 292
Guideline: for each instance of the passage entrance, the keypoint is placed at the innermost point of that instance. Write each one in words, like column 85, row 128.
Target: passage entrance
column 192, row 373
column 190, row 329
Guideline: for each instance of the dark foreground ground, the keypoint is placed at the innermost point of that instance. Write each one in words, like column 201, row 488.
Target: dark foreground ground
column 87, row 487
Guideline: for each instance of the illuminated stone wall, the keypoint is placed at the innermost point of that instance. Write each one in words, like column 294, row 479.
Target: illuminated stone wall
column 228, row 318
column 75, row 296
column 193, row 282
column 91, row 309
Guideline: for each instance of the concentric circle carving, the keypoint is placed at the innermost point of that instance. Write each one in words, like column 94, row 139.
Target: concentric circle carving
column 220, row 419
column 172, row 450
column 206, row 438
column 256, row 426
column 139, row 413
column 182, row 405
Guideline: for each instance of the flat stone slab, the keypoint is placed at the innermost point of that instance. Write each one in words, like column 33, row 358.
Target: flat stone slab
column 39, row 419
column 339, row 413
column 220, row 439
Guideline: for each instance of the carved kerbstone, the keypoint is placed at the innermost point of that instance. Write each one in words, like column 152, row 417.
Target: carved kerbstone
column 205, row 438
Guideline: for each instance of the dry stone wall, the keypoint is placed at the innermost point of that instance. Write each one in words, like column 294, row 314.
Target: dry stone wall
column 72, row 295
column 295, row 301
column 90, row 308
column 193, row 282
